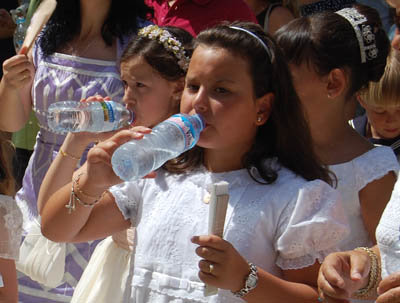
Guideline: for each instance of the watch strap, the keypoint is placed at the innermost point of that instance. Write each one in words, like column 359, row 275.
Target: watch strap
column 247, row 288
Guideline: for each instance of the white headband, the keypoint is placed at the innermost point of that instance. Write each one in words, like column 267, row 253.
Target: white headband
column 365, row 36
column 267, row 49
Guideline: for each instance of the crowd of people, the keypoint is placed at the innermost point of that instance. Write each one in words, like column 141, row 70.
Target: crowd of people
column 300, row 101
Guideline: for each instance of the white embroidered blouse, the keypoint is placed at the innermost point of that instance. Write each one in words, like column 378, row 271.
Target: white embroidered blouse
column 352, row 177
column 388, row 234
column 287, row 225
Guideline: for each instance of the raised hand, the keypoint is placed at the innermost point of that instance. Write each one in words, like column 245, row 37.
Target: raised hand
column 389, row 289
column 98, row 165
column 341, row 274
column 18, row 72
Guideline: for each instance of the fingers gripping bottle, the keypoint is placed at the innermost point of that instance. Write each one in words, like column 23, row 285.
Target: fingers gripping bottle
column 72, row 116
column 135, row 159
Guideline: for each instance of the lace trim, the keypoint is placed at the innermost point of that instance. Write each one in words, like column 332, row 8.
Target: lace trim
column 304, row 261
column 375, row 164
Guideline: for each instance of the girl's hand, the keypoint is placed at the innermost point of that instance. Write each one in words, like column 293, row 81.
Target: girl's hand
column 99, row 168
column 389, row 289
column 343, row 273
column 18, row 72
column 228, row 268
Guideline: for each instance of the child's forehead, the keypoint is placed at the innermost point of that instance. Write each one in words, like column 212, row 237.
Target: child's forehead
column 388, row 104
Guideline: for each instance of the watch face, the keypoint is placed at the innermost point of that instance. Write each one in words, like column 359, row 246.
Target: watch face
column 251, row 281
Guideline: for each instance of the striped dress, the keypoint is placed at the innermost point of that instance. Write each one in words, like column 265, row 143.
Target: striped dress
column 60, row 77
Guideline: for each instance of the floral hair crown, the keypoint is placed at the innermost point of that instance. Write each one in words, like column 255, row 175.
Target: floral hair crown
column 364, row 33
column 169, row 42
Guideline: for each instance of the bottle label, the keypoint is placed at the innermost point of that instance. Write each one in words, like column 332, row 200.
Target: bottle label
column 109, row 115
column 186, row 128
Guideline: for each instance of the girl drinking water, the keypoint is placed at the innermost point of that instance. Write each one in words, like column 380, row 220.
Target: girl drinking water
column 153, row 76
column 282, row 219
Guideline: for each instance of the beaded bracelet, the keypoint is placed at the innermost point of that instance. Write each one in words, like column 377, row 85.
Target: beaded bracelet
column 74, row 197
column 374, row 275
column 65, row 154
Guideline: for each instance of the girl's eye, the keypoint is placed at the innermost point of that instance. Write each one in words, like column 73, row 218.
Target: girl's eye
column 139, row 84
column 125, row 83
column 221, row 90
column 192, row 88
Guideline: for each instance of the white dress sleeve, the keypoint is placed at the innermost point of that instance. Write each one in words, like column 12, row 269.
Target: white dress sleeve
column 127, row 196
column 312, row 226
column 375, row 164
column 10, row 228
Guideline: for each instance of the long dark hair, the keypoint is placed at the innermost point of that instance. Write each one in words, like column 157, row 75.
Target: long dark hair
column 327, row 40
column 285, row 136
column 157, row 56
column 7, row 182
column 64, row 24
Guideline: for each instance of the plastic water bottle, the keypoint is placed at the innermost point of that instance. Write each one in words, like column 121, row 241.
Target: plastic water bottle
column 19, row 33
column 135, row 159
column 96, row 117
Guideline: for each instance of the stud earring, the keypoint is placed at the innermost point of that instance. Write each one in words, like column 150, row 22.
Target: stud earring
column 259, row 119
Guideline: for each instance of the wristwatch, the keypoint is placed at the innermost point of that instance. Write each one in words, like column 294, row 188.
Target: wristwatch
column 250, row 283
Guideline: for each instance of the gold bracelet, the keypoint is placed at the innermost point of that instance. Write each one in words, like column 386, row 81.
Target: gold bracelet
column 374, row 275
column 78, row 189
column 65, row 154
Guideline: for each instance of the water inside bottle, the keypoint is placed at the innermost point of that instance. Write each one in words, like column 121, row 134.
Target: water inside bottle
column 70, row 120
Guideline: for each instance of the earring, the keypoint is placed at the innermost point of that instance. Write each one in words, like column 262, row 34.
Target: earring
column 259, row 119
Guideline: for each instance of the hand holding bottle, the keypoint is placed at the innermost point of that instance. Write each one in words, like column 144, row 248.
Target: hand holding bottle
column 95, row 117
column 82, row 139
column 98, row 165
column 18, row 72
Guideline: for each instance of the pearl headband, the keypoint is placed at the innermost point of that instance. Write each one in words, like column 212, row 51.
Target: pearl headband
column 169, row 42
column 365, row 36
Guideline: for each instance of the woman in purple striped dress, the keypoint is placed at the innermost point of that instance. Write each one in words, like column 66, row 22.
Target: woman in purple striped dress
column 75, row 57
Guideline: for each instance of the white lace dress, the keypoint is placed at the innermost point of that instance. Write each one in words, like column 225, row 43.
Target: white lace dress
column 352, row 177
column 388, row 234
column 10, row 229
column 287, row 225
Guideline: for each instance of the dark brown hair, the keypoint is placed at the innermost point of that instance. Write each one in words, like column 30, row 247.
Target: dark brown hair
column 7, row 182
column 285, row 136
column 157, row 56
column 327, row 40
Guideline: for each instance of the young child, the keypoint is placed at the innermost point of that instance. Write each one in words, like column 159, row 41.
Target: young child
column 329, row 65
column 153, row 74
column 381, row 101
column 280, row 217
column 10, row 226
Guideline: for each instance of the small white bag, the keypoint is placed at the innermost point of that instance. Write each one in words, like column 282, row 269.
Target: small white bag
column 41, row 259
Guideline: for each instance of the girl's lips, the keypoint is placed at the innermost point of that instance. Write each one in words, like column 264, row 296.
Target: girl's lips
column 392, row 130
